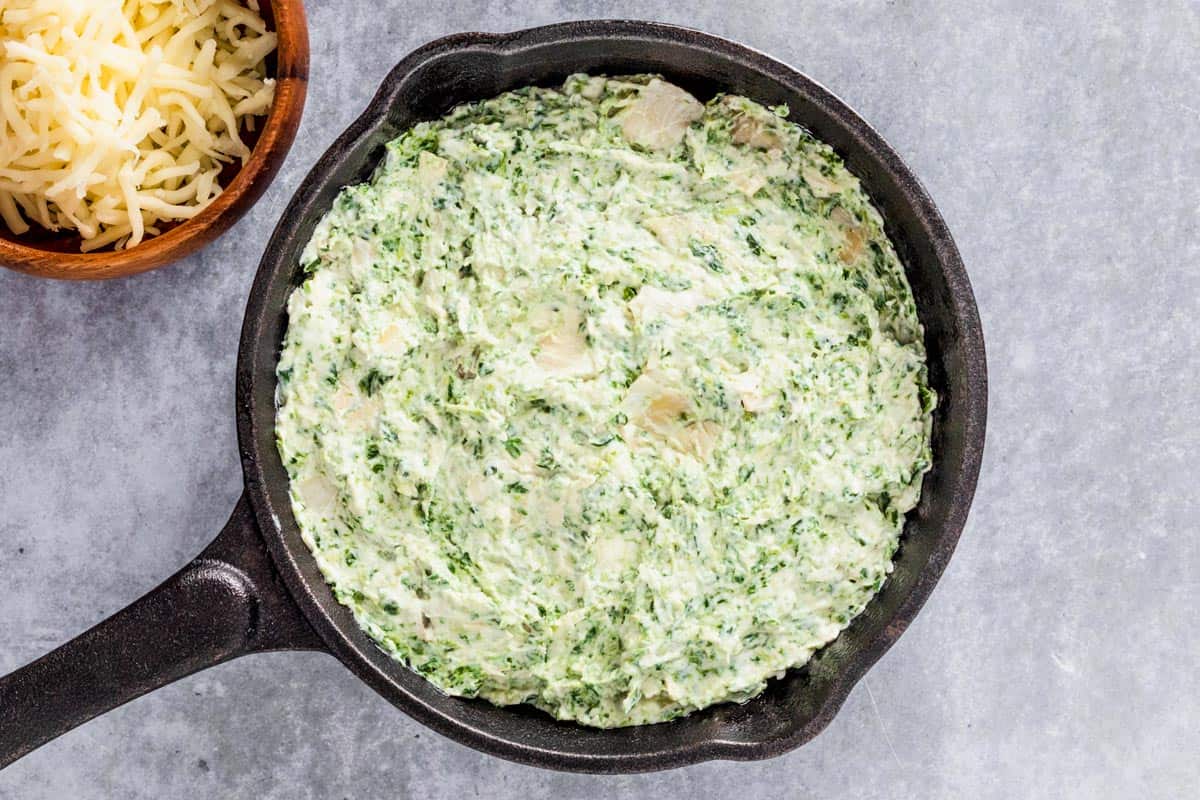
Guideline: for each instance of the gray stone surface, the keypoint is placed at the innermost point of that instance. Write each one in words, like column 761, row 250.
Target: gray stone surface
column 1057, row 657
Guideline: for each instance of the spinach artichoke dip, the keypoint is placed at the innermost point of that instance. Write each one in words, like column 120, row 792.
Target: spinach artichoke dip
column 605, row 400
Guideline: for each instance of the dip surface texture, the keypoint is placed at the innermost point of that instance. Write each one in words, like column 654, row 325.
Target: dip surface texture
column 604, row 400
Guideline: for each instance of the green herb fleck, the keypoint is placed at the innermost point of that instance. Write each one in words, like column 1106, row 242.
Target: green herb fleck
column 372, row 382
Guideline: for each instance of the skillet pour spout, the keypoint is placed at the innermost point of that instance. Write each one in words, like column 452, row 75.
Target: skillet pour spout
column 258, row 588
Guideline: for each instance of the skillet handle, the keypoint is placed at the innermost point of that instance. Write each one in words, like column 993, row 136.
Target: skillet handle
column 228, row 602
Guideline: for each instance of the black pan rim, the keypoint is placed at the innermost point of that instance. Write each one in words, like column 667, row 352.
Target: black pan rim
column 273, row 512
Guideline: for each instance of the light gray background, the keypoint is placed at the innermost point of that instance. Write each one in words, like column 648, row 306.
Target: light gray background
column 1058, row 656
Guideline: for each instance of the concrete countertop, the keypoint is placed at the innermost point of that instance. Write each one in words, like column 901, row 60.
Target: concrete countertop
column 1058, row 656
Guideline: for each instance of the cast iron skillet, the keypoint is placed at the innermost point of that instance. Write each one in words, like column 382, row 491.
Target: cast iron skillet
column 257, row 587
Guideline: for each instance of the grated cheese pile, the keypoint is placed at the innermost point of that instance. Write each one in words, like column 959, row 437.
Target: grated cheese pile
column 118, row 116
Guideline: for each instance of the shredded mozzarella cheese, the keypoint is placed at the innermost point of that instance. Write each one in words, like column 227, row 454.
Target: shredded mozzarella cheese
column 118, row 116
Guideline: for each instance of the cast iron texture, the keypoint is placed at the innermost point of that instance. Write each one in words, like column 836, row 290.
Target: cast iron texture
column 233, row 599
column 475, row 66
column 226, row 603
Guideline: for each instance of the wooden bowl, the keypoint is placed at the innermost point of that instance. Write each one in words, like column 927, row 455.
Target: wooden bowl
column 56, row 255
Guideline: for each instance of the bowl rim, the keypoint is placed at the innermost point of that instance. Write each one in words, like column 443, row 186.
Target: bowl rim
column 251, row 180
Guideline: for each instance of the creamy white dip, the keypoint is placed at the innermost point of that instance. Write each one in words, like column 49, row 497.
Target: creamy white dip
column 604, row 400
